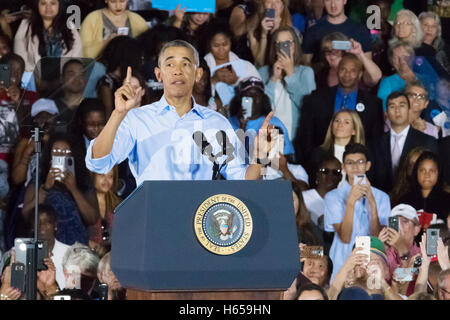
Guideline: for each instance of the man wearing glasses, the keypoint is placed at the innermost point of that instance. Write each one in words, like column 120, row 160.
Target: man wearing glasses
column 354, row 208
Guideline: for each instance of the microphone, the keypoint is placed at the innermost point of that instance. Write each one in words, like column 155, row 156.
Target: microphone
column 227, row 146
column 206, row 148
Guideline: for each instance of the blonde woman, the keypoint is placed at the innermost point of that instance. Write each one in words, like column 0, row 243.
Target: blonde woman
column 345, row 127
column 260, row 33
column 103, row 25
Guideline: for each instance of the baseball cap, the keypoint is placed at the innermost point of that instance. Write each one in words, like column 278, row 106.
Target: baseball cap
column 42, row 105
column 251, row 82
column 406, row 211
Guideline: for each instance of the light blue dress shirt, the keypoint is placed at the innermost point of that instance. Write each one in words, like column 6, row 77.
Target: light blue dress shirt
column 159, row 145
column 335, row 211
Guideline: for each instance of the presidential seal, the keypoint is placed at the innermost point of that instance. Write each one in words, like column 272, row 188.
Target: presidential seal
column 223, row 224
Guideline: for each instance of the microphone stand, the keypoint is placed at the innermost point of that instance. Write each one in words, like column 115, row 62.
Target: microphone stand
column 32, row 254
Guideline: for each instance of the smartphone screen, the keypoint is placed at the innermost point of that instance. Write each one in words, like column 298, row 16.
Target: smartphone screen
column 358, row 178
column 432, row 238
column 270, row 13
column 341, row 45
column 247, row 105
column 285, row 47
column 404, row 274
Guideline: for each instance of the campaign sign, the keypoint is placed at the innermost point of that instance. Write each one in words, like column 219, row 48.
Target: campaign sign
column 208, row 6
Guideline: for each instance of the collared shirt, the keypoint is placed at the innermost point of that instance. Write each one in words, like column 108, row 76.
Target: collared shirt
column 401, row 141
column 159, row 145
column 345, row 100
column 335, row 203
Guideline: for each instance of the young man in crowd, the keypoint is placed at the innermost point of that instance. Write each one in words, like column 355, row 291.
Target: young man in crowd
column 335, row 21
column 393, row 146
column 319, row 107
column 355, row 208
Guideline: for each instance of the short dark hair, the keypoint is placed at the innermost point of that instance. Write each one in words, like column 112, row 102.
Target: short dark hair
column 352, row 57
column 353, row 148
column 312, row 287
column 395, row 95
column 68, row 63
column 12, row 57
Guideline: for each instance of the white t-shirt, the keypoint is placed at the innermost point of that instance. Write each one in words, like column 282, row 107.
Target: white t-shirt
column 339, row 152
column 315, row 205
column 59, row 249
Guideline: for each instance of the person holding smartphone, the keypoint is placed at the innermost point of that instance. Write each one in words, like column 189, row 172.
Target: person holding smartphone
column 355, row 208
column 60, row 189
column 271, row 16
column 286, row 79
column 401, row 248
column 103, row 25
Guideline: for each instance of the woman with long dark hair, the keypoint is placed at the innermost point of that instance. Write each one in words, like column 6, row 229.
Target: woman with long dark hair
column 46, row 34
column 426, row 187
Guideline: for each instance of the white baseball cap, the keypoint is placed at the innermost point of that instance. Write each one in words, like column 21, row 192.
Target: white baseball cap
column 42, row 105
column 406, row 211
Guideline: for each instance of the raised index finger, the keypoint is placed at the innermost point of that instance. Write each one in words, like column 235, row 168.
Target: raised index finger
column 129, row 75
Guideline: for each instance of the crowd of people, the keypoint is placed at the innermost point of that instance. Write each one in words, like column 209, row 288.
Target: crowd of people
column 364, row 131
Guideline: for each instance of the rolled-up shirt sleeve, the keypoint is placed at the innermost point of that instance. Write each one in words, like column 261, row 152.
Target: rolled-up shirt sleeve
column 124, row 143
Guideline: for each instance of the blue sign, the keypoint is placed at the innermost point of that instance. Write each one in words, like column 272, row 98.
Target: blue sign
column 208, row 6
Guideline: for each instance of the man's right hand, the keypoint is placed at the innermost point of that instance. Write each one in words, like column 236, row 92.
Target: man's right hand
column 127, row 97
column 357, row 191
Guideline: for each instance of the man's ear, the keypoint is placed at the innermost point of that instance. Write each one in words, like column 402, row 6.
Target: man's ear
column 198, row 74
column 157, row 71
column 368, row 165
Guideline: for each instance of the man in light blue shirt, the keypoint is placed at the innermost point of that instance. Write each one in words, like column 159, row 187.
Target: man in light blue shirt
column 355, row 208
column 158, row 138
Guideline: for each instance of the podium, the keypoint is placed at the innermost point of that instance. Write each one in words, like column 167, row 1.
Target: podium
column 157, row 254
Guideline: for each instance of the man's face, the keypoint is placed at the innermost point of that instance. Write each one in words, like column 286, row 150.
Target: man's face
column 407, row 229
column 355, row 164
column 398, row 111
column 444, row 291
column 349, row 74
column 334, row 8
column 315, row 270
column 178, row 72
column 73, row 78
column 46, row 228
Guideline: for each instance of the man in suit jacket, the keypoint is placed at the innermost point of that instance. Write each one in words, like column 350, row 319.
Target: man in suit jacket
column 319, row 107
column 393, row 146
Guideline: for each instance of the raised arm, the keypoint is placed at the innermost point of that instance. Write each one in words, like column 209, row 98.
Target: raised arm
column 126, row 98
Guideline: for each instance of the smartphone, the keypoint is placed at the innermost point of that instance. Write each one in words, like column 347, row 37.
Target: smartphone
column 269, row 13
column 432, row 238
column 63, row 163
column 358, row 178
column 18, row 276
column 363, row 242
column 393, row 223
column 5, row 76
column 285, row 46
column 103, row 291
column 341, row 45
column 247, row 106
column 123, row 31
column 404, row 274
column 312, row 252
column 62, row 298
column 42, row 254
column 418, row 262
column 20, row 246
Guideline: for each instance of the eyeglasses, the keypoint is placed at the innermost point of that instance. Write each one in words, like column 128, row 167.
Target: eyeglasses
column 357, row 162
column 335, row 172
column 418, row 96
column 61, row 151
column 404, row 23
column 333, row 52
